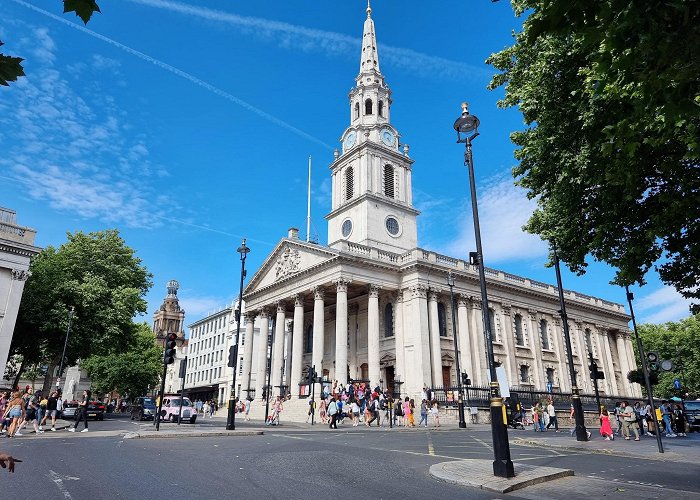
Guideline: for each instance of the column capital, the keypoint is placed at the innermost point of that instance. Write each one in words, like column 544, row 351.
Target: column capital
column 419, row 291
column 399, row 294
column 20, row 274
column 374, row 290
column 281, row 306
column 250, row 315
column 342, row 284
column 319, row 293
column 506, row 306
column 264, row 312
column 475, row 302
column 298, row 300
column 462, row 300
column 432, row 295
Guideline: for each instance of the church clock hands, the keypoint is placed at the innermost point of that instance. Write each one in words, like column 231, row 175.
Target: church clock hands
column 349, row 140
column 388, row 137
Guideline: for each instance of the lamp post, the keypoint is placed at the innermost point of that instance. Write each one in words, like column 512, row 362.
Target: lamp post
column 460, row 400
column 645, row 370
column 231, row 418
column 582, row 433
column 71, row 313
column 502, row 463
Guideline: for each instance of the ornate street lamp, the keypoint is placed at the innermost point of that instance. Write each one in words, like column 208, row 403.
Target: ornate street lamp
column 582, row 433
column 502, row 463
column 460, row 400
column 231, row 418
column 71, row 313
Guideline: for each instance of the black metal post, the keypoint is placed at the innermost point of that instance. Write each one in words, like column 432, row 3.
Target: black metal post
column 270, row 340
column 313, row 391
column 582, row 433
column 71, row 313
column 647, row 382
column 594, row 376
column 162, row 390
column 183, row 373
column 231, row 417
column 460, row 400
column 502, row 463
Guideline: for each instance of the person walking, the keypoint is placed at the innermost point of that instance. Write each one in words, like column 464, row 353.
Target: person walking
column 605, row 427
column 552, row 416
column 435, row 413
column 333, row 412
column 51, row 410
column 82, row 412
column 629, row 421
column 666, row 417
column 412, row 413
column 406, row 412
column 423, row 413
column 679, row 420
column 30, row 406
column 15, row 411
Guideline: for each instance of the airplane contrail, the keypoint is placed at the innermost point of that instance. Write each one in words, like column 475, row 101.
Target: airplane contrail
column 182, row 74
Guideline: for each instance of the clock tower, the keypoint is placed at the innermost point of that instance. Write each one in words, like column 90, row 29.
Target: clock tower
column 371, row 178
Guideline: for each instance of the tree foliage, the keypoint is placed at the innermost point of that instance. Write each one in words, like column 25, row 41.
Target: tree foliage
column 98, row 275
column 680, row 343
column 610, row 95
column 127, row 369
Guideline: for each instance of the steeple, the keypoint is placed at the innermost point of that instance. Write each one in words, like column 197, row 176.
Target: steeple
column 369, row 60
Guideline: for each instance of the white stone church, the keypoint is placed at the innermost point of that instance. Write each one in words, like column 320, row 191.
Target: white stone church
column 373, row 306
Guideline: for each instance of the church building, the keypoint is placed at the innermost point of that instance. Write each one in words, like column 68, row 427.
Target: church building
column 372, row 305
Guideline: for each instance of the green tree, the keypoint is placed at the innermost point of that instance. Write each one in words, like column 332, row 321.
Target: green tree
column 610, row 95
column 97, row 274
column 680, row 343
column 127, row 369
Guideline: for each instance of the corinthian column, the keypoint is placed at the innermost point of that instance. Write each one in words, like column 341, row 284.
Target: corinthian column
column 373, row 335
column 297, row 344
column 341, row 331
column 278, row 346
column 318, row 334
column 624, row 363
column 248, row 350
column 261, row 352
column 435, row 339
column 465, row 348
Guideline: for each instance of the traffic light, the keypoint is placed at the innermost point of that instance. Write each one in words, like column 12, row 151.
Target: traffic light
column 170, row 343
column 593, row 367
column 653, row 361
column 465, row 379
column 231, row 356
column 311, row 376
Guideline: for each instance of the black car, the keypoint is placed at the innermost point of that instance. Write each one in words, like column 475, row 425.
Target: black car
column 143, row 409
column 692, row 414
column 96, row 410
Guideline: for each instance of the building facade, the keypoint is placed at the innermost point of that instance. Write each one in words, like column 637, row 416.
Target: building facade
column 16, row 250
column 373, row 306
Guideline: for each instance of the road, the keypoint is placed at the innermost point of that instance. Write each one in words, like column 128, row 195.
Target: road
column 292, row 463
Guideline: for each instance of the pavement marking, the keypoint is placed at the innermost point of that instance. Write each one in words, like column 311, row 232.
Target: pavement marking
column 58, row 481
column 534, row 458
column 431, row 448
column 483, row 443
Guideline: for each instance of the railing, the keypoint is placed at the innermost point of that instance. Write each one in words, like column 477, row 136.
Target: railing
column 443, row 259
column 539, row 284
column 513, row 277
column 12, row 229
column 491, row 272
column 391, row 257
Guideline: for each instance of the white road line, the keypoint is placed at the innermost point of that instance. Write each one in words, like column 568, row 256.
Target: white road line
column 483, row 443
column 58, row 481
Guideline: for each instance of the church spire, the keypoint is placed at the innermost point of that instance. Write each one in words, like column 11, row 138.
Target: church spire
column 369, row 62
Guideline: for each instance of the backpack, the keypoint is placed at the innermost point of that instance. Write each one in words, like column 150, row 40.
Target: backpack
column 399, row 410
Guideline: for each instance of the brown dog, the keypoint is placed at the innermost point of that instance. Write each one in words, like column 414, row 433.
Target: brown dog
column 8, row 461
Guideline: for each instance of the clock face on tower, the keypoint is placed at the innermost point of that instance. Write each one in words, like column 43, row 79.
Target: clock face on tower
column 349, row 140
column 388, row 137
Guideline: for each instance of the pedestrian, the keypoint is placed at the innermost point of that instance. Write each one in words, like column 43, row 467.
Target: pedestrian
column 30, row 405
column 323, row 411
column 641, row 410
column 618, row 413
column 605, row 428
column 407, row 412
column 552, row 416
column 82, row 411
column 15, row 411
column 312, row 409
column 355, row 409
column 398, row 412
column 423, row 412
column 412, row 412
column 248, row 403
column 333, row 412
column 679, row 420
column 666, row 414
column 435, row 413
column 629, row 421
column 51, row 410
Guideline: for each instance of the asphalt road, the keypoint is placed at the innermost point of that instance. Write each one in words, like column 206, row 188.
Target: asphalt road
column 293, row 463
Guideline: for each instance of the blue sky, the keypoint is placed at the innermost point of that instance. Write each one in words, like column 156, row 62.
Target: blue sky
column 188, row 126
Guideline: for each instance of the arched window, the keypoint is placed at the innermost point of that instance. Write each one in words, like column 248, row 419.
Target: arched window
column 380, row 108
column 364, row 371
column 389, row 320
column 349, row 183
column 550, row 376
column 544, row 334
column 525, row 374
column 519, row 337
column 357, row 110
column 309, row 339
column 368, row 107
column 389, row 181
column 442, row 319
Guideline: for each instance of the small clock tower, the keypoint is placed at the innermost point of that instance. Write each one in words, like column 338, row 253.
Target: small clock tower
column 372, row 202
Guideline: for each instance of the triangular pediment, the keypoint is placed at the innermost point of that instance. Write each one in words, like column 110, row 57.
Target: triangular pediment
column 289, row 258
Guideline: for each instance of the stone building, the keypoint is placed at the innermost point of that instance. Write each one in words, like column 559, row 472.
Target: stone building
column 372, row 305
column 16, row 250
column 170, row 318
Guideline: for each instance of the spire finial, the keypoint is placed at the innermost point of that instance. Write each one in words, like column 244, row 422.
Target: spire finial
column 369, row 9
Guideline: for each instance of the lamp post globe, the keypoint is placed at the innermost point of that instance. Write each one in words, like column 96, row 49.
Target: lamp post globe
column 502, row 463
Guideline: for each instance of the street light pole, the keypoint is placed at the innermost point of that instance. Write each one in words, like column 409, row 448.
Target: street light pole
column 71, row 313
column 582, row 433
column 231, row 418
column 502, row 463
column 460, row 400
column 645, row 370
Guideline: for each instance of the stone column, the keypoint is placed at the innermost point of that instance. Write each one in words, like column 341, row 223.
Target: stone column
column 436, row 351
column 478, row 342
column 248, row 351
column 583, row 378
column 509, row 344
column 11, row 297
column 319, row 324
column 400, row 368
column 352, row 350
column 564, row 378
column 465, row 348
column 536, row 350
column 416, row 342
column 636, row 389
column 297, row 344
column 278, row 347
column 261, row 353
column 341, row 331
column 373, row 336
column 608, row 367
column 624, row 363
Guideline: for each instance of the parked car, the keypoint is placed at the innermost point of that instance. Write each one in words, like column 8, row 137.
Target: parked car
column 69, row 410
column 171, row 409
column 143, row 409
column 96, row 410
column 692, row 414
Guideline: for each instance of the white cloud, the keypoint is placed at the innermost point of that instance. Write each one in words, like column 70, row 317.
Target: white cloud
column 503, row 210
column 292, row 36
column 662, row 305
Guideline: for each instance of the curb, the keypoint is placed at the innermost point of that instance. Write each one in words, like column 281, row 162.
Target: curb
column 166, row 435
column 668, row 456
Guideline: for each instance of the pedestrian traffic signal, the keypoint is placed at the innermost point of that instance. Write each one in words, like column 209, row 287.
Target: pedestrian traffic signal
column 231, row 356
column 653, row 361
column 465, row 379
column 170, row 344
column 593, row 367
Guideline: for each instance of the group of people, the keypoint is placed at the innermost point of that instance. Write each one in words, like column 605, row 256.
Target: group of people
column 207, row 407
column 361, row 404
column 638, row 419
column 21, row 409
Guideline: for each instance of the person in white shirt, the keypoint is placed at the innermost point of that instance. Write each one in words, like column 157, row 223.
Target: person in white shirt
column 551, row 412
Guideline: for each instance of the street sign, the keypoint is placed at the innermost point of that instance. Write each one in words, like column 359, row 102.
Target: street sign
column 549, row 387
column 676, row 383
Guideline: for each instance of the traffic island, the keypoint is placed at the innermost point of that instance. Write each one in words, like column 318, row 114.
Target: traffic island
column 188, row 434
column 479, row 474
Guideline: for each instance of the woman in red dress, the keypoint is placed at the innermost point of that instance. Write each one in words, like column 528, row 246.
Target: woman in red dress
column 605, row 428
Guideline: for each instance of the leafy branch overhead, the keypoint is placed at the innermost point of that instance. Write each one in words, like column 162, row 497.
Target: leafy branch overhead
column 84, row 9
column 610, row 95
